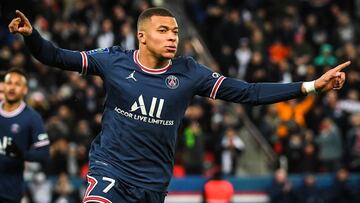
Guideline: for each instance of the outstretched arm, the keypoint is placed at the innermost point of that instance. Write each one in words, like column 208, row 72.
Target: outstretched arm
column 44, row 50
column 265, row 93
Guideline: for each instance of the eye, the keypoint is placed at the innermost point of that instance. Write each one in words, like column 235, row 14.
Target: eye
column 162, row 30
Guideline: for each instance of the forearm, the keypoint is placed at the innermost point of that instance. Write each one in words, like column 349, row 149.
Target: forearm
column 37, row 154
column 47, row 53
column 258, row 93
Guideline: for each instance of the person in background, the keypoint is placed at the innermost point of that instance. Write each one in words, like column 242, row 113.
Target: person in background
column 233, row 147
column 22, row 136
column 281, row 190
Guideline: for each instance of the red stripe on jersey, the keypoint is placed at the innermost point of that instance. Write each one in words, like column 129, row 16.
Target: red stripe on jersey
column 84, row 63
column 92, row 182
column 96, row 199
column 150, row 70
column 93, row 198
column 216, row 86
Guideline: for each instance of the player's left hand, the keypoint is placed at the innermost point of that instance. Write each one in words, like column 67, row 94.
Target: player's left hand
column 13, row 150
column 332, row 79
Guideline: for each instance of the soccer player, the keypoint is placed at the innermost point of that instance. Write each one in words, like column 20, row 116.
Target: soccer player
column 22, row 136
column 148, row 90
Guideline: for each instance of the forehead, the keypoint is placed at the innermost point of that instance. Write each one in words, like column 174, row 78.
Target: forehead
column 167, row 21
column 14, row 76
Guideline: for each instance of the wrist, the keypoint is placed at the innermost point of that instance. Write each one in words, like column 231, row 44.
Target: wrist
column 308, row 87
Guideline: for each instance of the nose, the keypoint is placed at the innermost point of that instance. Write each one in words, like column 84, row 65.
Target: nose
column 173, row 37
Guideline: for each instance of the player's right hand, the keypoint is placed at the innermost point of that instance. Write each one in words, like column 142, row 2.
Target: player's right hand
column 20, row 24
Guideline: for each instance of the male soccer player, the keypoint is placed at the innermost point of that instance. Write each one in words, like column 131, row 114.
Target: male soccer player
column 148, row 90
column 22, row 136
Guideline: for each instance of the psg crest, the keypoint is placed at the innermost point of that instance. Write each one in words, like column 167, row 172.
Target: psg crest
column 172, row 82
column 15, row 128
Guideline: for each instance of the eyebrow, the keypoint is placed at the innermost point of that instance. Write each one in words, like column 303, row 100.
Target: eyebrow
column 167, row 27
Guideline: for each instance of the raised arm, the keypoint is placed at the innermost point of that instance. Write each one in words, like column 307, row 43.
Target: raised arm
column 44, row 50
column 266, row 93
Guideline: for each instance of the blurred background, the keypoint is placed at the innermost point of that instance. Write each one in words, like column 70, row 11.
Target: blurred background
column 302, row 150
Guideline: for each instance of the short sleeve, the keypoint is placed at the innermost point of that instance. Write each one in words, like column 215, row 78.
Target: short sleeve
column 39, row 138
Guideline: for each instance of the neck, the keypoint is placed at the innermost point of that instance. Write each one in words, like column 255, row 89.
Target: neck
column 148, row 59
column 9, row 106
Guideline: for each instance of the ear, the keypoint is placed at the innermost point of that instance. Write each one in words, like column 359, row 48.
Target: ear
column 141, row 37
column 26, row 90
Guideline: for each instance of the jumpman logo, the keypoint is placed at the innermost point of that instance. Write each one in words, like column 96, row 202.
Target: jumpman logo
column 131, row 76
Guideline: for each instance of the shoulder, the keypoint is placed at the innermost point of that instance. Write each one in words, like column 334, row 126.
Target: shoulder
column 185, row 61
column 115, row 51
column 32, row 113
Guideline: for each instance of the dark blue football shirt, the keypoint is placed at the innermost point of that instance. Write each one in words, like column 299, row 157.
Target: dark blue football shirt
column 144, row 107
column 23, row 128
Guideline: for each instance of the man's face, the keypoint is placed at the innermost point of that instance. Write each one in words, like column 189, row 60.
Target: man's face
column 15, row 87
column 160, row 36
column 2, row 96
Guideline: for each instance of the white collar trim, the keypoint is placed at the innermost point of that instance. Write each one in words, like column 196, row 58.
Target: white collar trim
column 150, row 70
column 13, row 113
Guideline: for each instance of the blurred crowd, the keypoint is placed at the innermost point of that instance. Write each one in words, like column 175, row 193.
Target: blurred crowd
column 338, row 189
column 288, row 41
column 252, row 40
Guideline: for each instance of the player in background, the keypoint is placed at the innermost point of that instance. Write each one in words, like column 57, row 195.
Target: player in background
column 148, row 91
column 22, row 136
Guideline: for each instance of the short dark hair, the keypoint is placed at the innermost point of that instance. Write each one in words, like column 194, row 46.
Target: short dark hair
column 155, row 11
column 19, row 71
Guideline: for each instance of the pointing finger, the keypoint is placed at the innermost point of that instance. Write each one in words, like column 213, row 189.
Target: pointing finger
column 342, row 66
column 21, row 15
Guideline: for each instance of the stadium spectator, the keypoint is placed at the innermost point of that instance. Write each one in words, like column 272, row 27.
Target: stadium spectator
column 340, row 190
column 40, row 189
column 309, row 159
column 330, row 147
column 309, row 191
column 281, row 189
column 232, row 147
column 64, row 191
column 194, row 149
column 353, row 142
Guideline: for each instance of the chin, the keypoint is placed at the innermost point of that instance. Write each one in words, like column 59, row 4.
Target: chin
column 169, row 55
column 12, row 100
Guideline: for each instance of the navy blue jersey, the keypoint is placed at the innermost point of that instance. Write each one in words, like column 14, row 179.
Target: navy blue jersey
column 144, row 107
column 22, row 131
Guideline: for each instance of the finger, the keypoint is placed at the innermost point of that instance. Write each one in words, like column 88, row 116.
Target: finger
column 342, row 79
column 22, row 16
column 14, row 24
column 342, row 66
column 23, row 30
